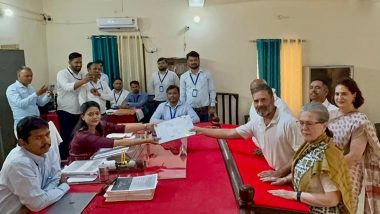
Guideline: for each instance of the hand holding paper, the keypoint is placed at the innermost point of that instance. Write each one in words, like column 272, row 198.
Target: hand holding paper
column 174, row 129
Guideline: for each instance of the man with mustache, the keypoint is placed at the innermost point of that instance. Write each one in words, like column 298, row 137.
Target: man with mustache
column 96, row 90
column 31, row 175
column 69, row 82
column 197, row 88
column 173, row 108
column 318, row 92
column 277, row 133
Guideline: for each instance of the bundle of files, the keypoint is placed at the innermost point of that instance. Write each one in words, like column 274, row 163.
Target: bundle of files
column 132, row 188
column 83, row 170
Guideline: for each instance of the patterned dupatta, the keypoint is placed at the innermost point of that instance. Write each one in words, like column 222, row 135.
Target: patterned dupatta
column 345, row 125
column 321, row 156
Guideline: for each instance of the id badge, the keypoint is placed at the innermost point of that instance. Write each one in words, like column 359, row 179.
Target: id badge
column 195, row 92
column 161, row 88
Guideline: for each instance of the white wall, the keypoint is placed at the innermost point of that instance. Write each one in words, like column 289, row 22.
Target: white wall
column 30, row 34
column 337, row 32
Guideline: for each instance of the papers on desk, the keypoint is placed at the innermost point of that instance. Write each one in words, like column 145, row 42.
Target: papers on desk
column 83, row 167
column 139, row 114
column 174, row 129
column 106, row 153
column 82, row 171
column 132, row 188
column 120, row 135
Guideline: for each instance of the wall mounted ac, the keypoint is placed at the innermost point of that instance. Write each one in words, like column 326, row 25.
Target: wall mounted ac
column 117, row 24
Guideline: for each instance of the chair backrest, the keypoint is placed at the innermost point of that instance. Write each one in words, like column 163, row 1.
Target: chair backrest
column 227, row 107
column 377, row 126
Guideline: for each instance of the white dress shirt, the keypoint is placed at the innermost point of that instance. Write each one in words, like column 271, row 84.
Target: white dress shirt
column 105, row 94
column 278, row 141
column 329, row 106
column 104, row 78
column 161, row 81
column 30, row 180
column 197, row 90
column 118, row 98
column 67, row 98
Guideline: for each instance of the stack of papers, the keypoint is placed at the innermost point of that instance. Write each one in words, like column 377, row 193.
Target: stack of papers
column 132, row 188
column 82, row 170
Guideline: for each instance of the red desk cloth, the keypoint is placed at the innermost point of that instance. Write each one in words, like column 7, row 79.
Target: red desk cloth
column 206, row 189
column 52, row 116
column 249, row 166
column 121, row 118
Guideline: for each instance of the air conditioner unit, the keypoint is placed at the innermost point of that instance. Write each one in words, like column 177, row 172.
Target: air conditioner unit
column 117, row 24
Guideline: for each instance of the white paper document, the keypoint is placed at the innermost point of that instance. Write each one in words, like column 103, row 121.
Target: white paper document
column 119, row 135
column 173, row 129
column 83, row 167
column 81, row 179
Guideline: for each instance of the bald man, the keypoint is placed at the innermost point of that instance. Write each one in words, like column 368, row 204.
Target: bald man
column 281, row 105
column 22, row 97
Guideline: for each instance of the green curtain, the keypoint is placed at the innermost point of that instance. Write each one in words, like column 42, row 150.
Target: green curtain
column 269, row 62
column 104, row 47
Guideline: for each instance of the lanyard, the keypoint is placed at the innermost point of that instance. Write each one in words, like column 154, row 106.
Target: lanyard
column 81, row 77
column 101, row 86
column 159, row 76
column 196, row 80
column 114, row 96
column 171, row 114
column 136, row 98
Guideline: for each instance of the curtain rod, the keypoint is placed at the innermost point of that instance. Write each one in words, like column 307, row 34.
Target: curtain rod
column 144, row 37
column 292, row 40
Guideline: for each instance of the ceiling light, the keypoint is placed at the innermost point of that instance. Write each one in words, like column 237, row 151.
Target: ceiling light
column 197, row 19
column 196, row 3
column 8, row 12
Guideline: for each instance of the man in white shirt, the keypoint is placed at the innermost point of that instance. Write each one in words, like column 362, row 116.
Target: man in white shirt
column 119, row 94
column 277, row 133
column 103, row 76
column 31, row 175
column 281, row 105
column 95, row 90
column 69, row 81
column 161, row 80
column 197, row 88
column 318, row 92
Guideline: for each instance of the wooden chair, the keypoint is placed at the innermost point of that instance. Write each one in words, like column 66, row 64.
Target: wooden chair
column 227, row 107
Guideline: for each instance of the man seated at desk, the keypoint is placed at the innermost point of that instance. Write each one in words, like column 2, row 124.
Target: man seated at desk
column 173, row 107
column 31, row 174
column 277, row 133
column 136, row 99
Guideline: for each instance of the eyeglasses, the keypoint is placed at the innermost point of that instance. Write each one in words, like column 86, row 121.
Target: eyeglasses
column 307, row 123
